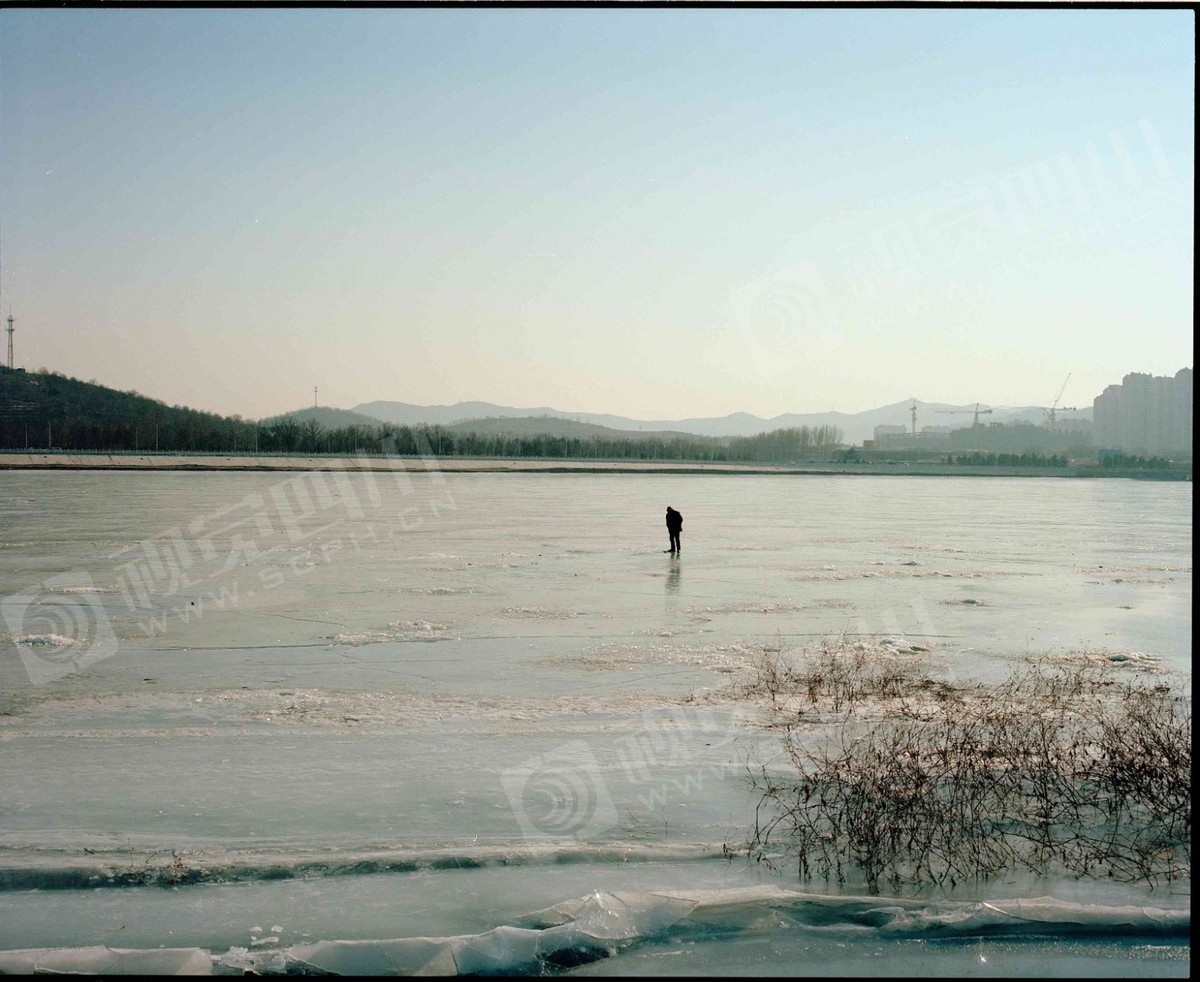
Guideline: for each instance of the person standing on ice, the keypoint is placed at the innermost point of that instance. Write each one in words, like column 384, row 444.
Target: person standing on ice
column 674, row 527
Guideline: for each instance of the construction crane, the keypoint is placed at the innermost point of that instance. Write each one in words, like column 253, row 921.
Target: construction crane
column 974, row 425
column 977, row 411
column 1055, row 407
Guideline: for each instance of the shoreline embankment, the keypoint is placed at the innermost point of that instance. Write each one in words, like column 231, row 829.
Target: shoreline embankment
column 73, row 461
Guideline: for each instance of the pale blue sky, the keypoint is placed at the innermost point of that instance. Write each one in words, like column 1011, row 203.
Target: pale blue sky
column 658, row 213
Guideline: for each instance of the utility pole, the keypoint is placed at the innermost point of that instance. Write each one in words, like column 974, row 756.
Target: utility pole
column 10, row 337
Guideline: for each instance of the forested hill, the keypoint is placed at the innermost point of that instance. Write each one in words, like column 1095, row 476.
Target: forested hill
column 45, row 409
column 328, row 417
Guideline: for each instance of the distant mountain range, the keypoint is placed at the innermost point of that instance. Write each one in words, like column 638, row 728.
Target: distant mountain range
column 564, row 426
column 855, row 427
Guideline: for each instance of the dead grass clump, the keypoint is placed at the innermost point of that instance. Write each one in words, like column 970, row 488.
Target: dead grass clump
column 838, row 675
column 1054, row 769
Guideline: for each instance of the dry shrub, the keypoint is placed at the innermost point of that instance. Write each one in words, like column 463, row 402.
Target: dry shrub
column 1052, row 770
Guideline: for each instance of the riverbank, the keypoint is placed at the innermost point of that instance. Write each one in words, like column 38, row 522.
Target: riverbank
column 527, row 465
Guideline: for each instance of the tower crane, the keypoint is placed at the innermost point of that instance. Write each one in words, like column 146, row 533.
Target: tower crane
column 1055, row 407
column 975, row 423
column 976, row 411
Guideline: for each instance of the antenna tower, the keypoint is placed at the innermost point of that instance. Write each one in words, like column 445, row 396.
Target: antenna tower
column 10, row 339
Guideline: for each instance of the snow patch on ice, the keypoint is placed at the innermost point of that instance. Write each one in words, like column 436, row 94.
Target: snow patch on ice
column 540, row 613
column 1139, row 661
column 885, row 571
column 396, row 631
column 51, row 640
column 634, row 657
column 747, row 607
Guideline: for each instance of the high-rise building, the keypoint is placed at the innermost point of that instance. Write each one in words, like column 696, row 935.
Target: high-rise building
column 1145, row 414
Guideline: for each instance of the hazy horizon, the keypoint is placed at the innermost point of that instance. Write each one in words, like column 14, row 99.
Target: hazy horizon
column 662, row 214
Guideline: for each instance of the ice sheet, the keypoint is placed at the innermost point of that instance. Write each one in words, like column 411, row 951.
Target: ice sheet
column 490, row 667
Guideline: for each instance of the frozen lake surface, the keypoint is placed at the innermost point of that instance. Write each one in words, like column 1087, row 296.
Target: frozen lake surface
column 483, row 723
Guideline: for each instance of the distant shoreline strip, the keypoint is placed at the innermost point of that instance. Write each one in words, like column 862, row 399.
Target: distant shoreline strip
column 416, row 464
column 510, row 465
